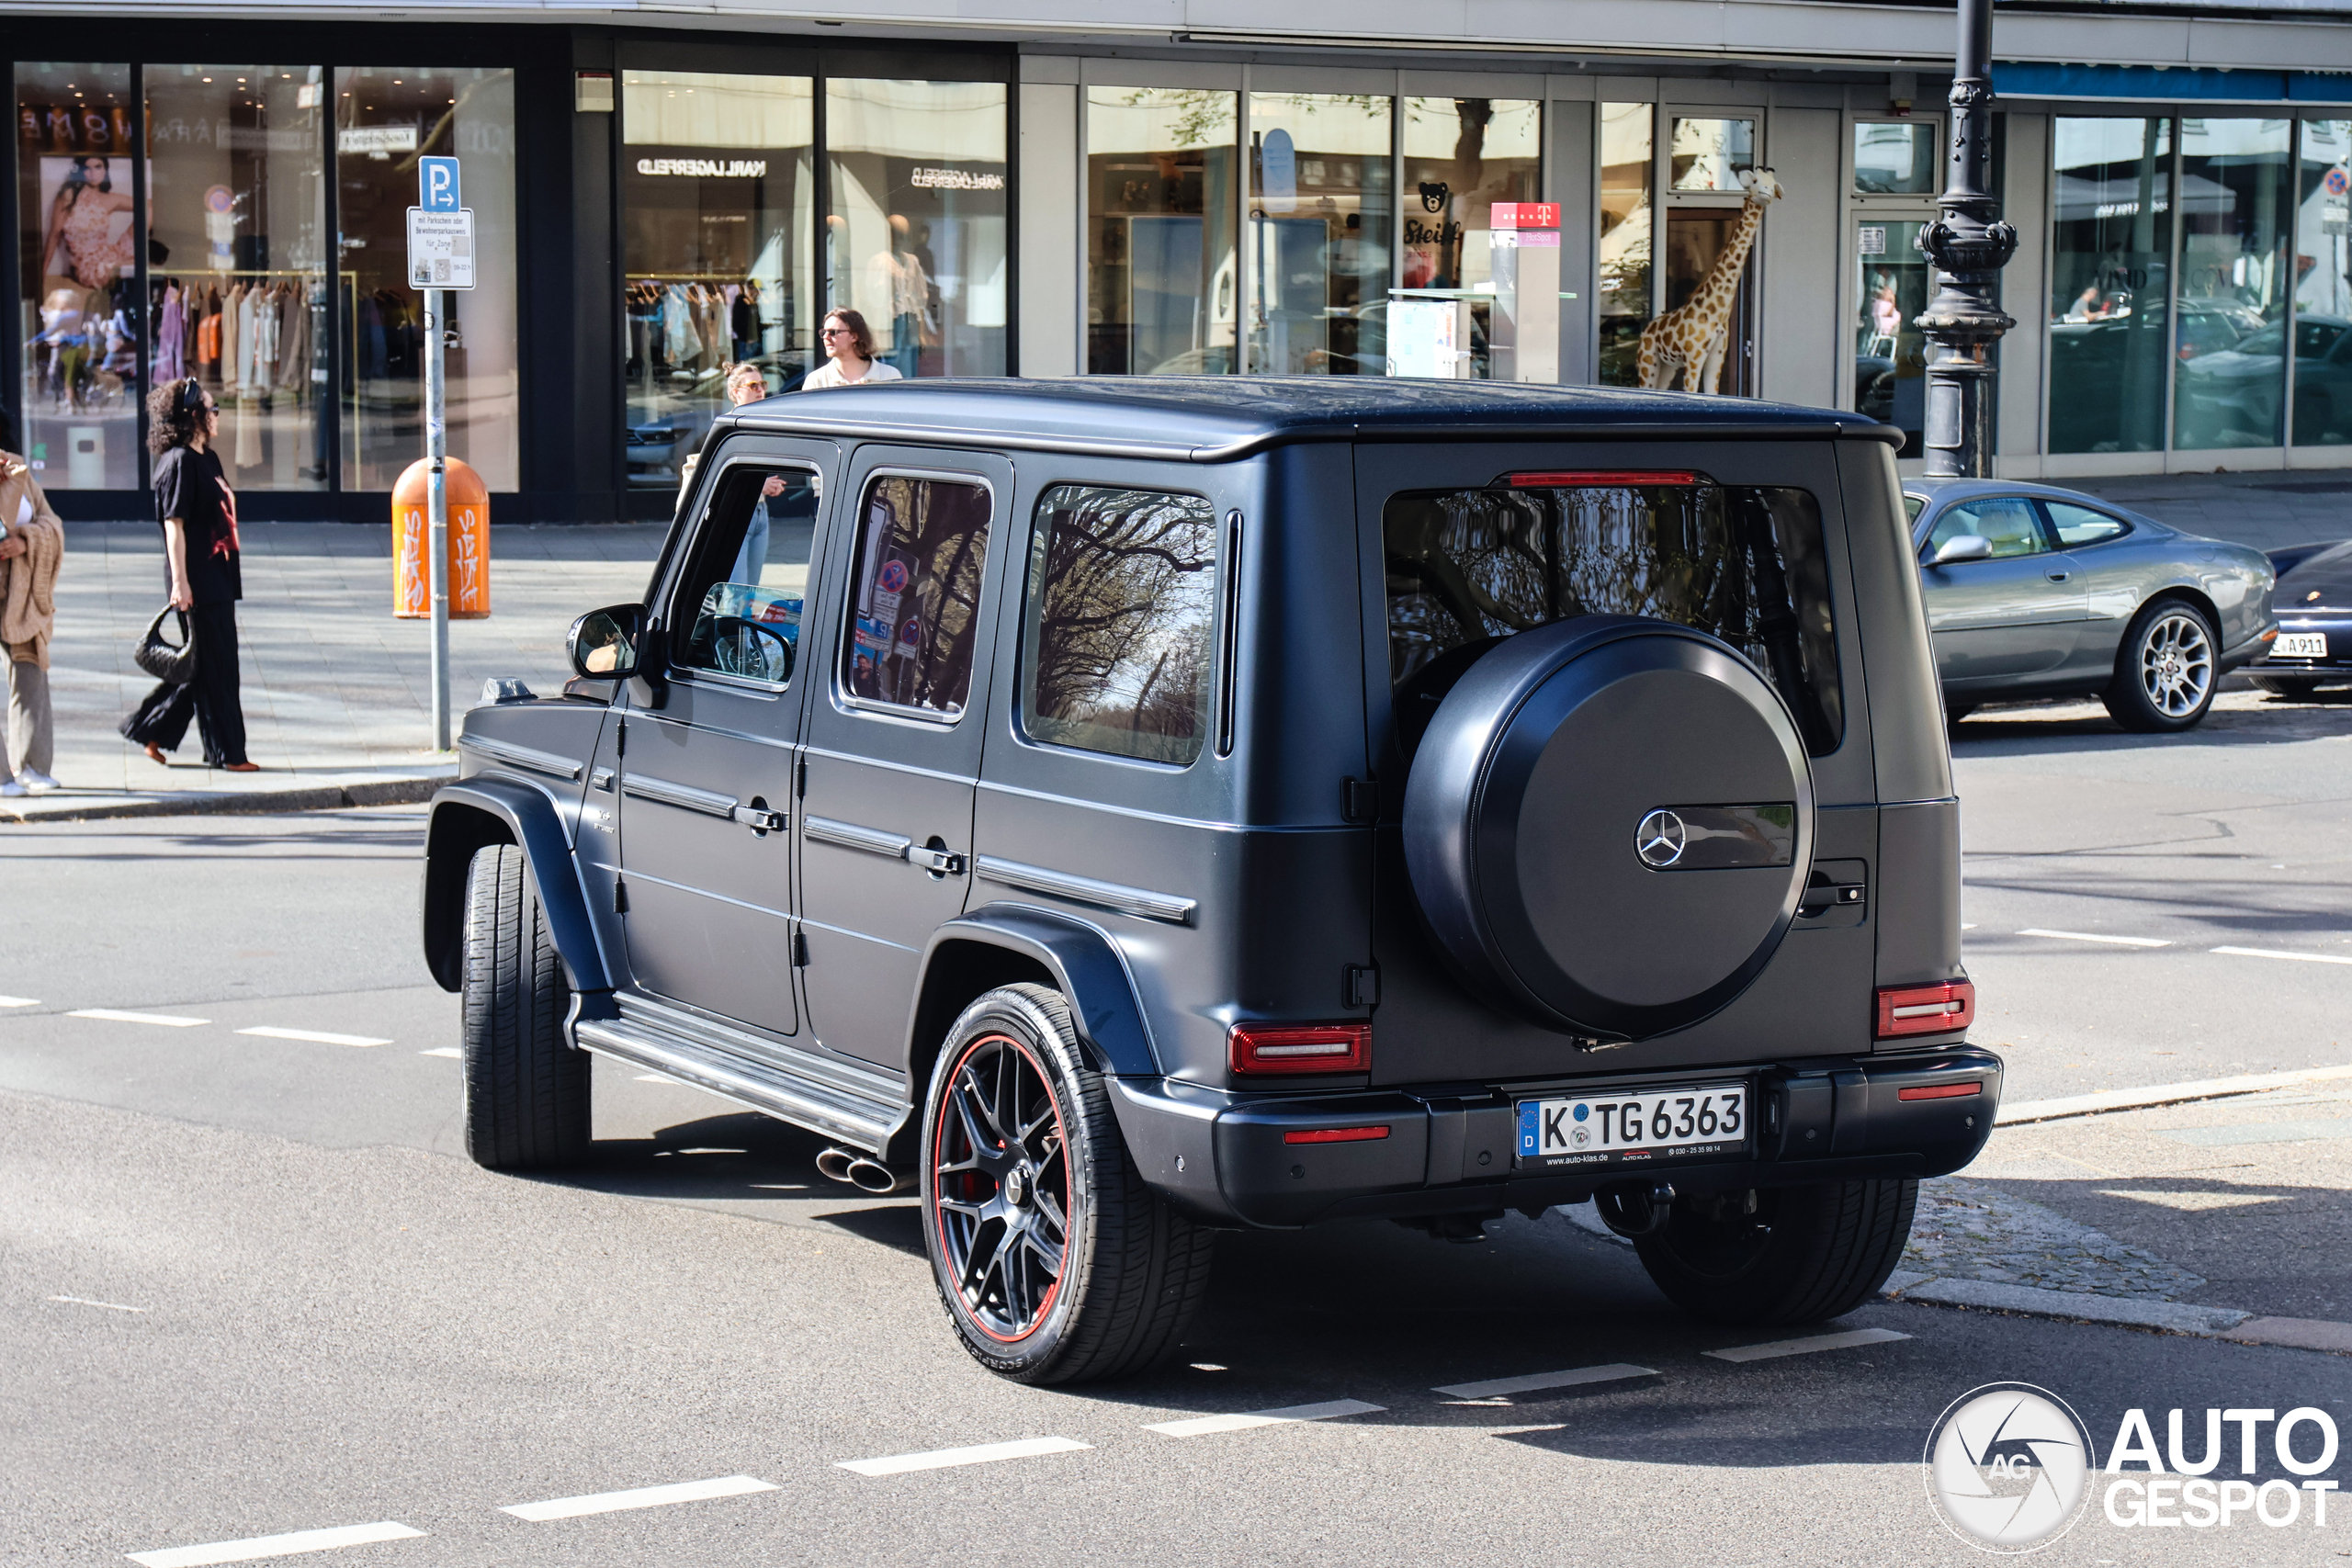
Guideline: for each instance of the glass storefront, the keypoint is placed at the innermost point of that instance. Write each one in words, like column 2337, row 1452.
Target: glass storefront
column 1626, row 165
column 1462, row 156
column 2322, row 400
column 1710, row 155
column 1889, row 352
column 2110, row 263
column 237, row 260
column 2230, row 331
column 718, row 240
column 1163, row 287
column 77, row 275
column 1320, row 224
column 1895, row 159
column 385, row 118
column 916, row 240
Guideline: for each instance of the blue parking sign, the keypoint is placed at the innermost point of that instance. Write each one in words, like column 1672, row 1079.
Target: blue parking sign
column 436, row 184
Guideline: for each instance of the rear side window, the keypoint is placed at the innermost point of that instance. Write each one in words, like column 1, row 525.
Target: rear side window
column 921, row 545
column 1743, row 562
column 1116, row 622
column 2081, row 526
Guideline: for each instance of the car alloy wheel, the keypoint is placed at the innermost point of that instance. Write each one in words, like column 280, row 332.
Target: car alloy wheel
column 1002, row 1175
column 2176, row 664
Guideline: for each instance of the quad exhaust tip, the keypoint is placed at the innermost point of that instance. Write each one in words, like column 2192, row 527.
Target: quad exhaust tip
column 863, row 1173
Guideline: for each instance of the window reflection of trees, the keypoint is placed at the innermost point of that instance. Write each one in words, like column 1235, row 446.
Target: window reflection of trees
column 1123, row 594
column 941, row 530
column 1742, row 563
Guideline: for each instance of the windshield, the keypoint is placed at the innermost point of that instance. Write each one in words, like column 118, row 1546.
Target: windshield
column 1746, row 563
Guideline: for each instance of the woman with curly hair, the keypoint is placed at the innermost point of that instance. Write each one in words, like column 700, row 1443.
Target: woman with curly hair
column 199, row 514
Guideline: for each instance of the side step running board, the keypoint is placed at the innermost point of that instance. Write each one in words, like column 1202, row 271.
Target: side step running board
column 824, row 1098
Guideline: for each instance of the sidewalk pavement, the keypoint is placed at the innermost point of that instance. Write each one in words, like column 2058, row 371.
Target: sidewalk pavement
column 338, row 695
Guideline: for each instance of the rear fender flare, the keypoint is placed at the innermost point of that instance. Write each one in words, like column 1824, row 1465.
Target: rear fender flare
column 1085, row 966
column 487, row 810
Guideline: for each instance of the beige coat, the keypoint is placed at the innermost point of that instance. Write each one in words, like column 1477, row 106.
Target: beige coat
column 29, row 581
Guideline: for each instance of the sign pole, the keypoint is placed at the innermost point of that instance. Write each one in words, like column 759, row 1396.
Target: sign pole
column 437, row 453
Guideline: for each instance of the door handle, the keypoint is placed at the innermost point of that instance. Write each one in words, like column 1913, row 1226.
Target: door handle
column 760, row 820
column 940, row 862
column 2060, row 576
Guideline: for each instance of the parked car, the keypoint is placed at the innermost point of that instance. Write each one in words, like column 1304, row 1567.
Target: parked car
column 1118, row 810
column 2315, row 600
column 2232, row 397
column 2037, row 591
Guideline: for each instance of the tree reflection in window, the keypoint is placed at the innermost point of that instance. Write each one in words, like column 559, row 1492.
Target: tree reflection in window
column 920, row 548
column 1121, row 602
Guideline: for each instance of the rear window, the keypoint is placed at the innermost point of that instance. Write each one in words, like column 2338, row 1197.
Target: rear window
column 1743, row 562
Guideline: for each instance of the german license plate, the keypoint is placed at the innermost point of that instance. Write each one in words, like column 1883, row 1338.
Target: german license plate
column 1633, row 1126
column 2300, row 645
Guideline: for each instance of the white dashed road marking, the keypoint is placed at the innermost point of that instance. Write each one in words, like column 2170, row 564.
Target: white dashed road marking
column 18, row 1002
column 1494, row 1387
column 2092, row 936
column 641, row 1497
column 941, row 1459
column 442, row 1051
column 273, row 1546
column 318, row 1036
column 86, row 1302
column 1804, row 1347
column 113, row 1015
column 1201, row 1426
column 2275, row 952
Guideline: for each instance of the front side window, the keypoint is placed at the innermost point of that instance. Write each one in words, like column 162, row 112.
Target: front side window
column 1743, row 562
column 741, row 600
column 1115, row 626
column 2006, row 522
column 915, row 592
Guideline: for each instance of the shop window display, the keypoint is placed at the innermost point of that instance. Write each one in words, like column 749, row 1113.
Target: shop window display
column 385, row 118
column 1322, row 219
column 237, row 264
column 2230, row 331
column 1889, row 352
column 2110, row 265
column 1462, row 155
column 1626, row 169
column 2323, row 194
column 718, row 212
column 1163, row 286
column 78, row 313
column 915, row 223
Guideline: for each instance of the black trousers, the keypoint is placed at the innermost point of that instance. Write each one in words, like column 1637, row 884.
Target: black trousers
column 211, row 699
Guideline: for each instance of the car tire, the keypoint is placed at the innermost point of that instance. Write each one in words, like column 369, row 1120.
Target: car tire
column 2166, row 671
column 526, row 1090
column 1802, row 1254
column 2290, row 687
column 1130, row 1272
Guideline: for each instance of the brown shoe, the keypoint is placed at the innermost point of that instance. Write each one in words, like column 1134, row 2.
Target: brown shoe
column 155, row 755
column 241, row 768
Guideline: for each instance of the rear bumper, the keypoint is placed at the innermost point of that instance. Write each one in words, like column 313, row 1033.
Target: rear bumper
column 2251, row 649
column 1233, row 1159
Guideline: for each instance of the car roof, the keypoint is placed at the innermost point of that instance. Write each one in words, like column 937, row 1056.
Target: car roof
column 1218, row 418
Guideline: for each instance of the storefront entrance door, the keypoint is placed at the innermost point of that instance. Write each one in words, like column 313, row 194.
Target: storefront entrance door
column 1695, row 238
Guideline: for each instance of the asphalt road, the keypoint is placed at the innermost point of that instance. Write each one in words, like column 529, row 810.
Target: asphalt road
column 249, row 1285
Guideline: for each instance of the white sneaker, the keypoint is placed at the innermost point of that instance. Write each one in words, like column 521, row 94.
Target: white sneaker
column 36, row 781
column 11, row 789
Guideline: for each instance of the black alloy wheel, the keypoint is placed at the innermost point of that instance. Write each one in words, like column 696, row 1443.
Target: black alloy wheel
column 1000, row 1185
column 1781, row 1255
column 1054, row 1261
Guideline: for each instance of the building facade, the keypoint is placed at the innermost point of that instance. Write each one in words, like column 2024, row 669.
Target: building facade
column 659, row 194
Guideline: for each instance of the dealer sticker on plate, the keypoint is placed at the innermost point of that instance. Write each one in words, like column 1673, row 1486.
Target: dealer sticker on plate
column 1644, row 1126
column 2300, row 645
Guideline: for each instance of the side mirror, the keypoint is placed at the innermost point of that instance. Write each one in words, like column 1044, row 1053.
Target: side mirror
column 1965, row 547
column 603, row 644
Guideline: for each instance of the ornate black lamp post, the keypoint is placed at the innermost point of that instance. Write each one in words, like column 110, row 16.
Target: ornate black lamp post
column 1968, row 246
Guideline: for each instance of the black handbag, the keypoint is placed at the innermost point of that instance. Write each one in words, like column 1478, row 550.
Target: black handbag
column 174, row 664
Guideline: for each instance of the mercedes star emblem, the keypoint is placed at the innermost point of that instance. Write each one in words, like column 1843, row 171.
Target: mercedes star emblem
column 1659, row 840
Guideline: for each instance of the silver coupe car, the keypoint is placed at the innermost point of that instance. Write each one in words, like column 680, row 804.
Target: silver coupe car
column 2037, row 591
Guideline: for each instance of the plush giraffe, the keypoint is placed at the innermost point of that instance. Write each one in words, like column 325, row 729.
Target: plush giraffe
column 1689, row 342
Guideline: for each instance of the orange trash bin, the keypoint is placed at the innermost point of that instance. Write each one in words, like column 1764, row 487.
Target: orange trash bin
column 469, row 543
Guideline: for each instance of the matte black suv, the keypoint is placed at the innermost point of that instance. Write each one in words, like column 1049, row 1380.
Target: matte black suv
column 1123, row 809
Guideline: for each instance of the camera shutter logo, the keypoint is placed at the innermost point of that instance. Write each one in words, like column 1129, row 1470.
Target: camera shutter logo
column 1660, row 839
column 2007, row 1467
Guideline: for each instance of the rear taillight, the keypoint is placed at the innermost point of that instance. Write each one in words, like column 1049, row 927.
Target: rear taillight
column 1938, row 1092
column 1582, row 477
column 1336, row 1135
column 1300, row 1047
column 1926, row 1009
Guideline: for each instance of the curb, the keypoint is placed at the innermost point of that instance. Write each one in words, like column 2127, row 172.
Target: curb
column 2074, row 1306
column 2030, row 1111
column 226, row 803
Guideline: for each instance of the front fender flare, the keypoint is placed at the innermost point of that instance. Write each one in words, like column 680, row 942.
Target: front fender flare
column 1087, row 969
column 532, row 821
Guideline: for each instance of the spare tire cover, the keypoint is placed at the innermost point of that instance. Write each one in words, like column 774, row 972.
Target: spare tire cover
column 1608, row 824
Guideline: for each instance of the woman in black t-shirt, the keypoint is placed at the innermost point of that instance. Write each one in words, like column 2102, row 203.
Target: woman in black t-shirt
column 199, row 514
